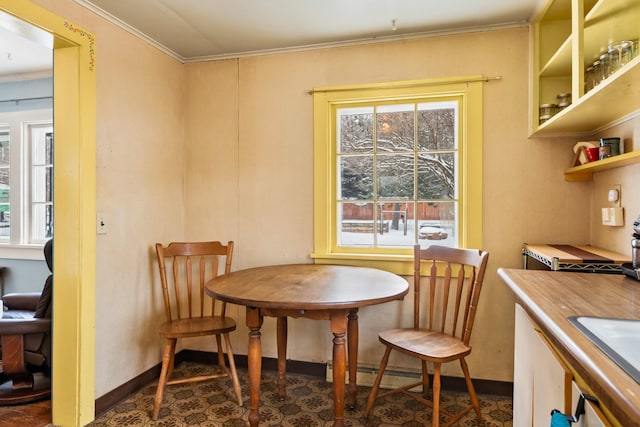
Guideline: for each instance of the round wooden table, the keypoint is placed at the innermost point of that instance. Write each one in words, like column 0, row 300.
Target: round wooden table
column 314, row 291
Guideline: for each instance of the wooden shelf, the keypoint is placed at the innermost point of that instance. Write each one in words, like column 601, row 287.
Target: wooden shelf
column 559, row 63
column 585, row 172
column 613, row 99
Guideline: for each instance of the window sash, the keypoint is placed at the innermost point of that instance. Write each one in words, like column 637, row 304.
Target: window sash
column 367, row 213
column 467, row 91
column 28, row 218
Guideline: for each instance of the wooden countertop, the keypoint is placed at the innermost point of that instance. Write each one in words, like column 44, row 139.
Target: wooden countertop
column 549, row 297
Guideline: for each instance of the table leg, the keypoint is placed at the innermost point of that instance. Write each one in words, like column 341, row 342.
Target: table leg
column 282, row 357
column 254, row 322
column 339, row 330
column 352, row 345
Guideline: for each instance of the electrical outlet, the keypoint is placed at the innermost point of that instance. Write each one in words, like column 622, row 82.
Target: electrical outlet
column 101, row 224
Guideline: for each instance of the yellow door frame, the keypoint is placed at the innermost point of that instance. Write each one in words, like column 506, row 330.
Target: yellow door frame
column 73, row 376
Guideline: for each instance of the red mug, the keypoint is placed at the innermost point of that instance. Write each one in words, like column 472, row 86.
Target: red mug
column 593, row 153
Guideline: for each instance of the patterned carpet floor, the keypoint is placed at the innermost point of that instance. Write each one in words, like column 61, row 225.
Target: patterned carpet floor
column 309, row 403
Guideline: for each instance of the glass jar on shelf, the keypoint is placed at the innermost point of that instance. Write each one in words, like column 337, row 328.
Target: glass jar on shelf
column 619, row 53
column 546, row 111
column 588, row 79
column 604, row 67
column 597, row 74
column 563, row 100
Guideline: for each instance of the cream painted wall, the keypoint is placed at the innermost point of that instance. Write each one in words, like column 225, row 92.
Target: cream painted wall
column 618, row 238
column 140, row 163
column 525, row 196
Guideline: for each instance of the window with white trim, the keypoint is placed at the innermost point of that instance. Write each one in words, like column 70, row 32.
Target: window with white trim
column 26, row 177
column 397, row 164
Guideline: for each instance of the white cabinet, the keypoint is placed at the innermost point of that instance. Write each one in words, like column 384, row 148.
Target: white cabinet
column 592, row 416
column 541, row 382
column 523, row 370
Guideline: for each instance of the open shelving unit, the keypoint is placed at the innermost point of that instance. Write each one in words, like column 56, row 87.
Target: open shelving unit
column 567, row 40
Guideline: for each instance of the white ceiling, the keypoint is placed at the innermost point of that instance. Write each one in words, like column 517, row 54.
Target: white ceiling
column 25, row 51
column 209, row 29
column 192, row 30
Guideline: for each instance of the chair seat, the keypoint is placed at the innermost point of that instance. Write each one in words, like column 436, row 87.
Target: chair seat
column 425, row 344
column 197, row 327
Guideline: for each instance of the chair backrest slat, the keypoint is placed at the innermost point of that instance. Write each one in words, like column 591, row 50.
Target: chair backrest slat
column 190, row 262
column 458, row 302
column 446, row 282
column 455, row 281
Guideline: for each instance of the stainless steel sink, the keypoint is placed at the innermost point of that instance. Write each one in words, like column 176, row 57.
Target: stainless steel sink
column 617, row 338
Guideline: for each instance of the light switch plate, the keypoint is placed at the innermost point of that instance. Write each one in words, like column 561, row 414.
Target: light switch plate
column 613, row 217
column 101, row 223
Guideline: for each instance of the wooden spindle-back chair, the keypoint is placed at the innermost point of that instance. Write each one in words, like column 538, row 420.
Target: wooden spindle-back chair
column 185, row 268
column 443, row 318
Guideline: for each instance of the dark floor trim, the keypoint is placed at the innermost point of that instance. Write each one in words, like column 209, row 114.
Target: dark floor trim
column 495, row 388
column 316, row 369
column 118, row 394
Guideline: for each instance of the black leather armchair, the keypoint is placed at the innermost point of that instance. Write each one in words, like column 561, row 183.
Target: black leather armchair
column 25, row 338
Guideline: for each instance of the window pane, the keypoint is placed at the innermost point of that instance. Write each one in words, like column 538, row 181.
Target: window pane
column 437, row 223
column 395, row 176
column 5, row 149
column 437, row 176
column 356, row 177
column 5, row 157
column 396, row 224
column 41, row 222
column 437, row 126
column 356, row 225
column 41, row 182
column 395, row 128
column 355, row 130
column 394, row 204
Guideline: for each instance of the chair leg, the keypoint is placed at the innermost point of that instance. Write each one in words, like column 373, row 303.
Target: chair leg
column 167, row 369
column 472, row 392
column 172, row 360
column 425, row 380
column 435, row 421
column 376, row 384
column 221, row 362
column 232, row 367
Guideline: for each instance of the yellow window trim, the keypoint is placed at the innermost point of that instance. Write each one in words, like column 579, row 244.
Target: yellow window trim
column 468, row 90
